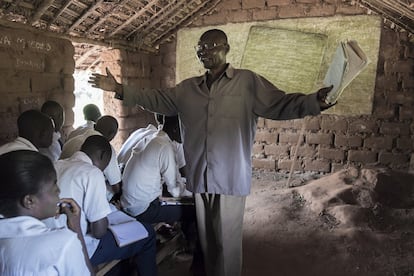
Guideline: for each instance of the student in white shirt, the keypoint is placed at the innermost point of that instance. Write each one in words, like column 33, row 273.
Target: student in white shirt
column 171, row 126
column 91, row 113
column 28, row 194
column 81, row 178
column 108, row 127
column 152, row 164
column 55, row 111
column 126, row 148
column 35, row 131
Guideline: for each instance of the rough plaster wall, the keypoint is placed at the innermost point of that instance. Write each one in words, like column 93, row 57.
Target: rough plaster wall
column 327, row 143
column 33, row 68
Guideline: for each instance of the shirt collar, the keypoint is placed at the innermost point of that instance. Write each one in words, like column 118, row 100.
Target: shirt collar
column 80, row 155
column 21, row 226
column 229, row 73
column 26, row 143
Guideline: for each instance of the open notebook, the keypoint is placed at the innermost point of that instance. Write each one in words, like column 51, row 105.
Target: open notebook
column 125, row 229
column 347, row 63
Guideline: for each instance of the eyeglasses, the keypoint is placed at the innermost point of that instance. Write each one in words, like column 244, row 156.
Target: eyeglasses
column 207, row 46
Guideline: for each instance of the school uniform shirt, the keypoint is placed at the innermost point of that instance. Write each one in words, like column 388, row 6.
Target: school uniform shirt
column 218, row 125
column 152, row 162
column 126, row 148
column 19, row 143
column 179, row 154
column 29, row 248
column 54, row 150
column 81, row 129
column 111, row 172
column 79, row 179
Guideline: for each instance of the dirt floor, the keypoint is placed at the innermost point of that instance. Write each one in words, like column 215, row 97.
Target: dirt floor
column 353, row 222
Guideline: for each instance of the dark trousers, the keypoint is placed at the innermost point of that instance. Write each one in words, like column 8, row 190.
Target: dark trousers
column 171, row 213
column 167, row 213
column 143, row 251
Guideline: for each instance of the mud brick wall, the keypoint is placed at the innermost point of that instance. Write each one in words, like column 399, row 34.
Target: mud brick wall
column 33, row 68
column 327, row 143
column 129, row 68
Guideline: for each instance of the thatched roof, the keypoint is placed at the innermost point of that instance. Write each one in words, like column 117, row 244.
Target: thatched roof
column 138, row 24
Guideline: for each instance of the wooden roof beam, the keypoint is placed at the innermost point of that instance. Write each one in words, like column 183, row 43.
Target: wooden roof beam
column 13, row 4
column 185, row 21
column 104, row 18
column 40, row 11
column 132, row 18
column 396, row 13
column 149, row 20
column 61, row 10
column 21, row 4
column 85, row 15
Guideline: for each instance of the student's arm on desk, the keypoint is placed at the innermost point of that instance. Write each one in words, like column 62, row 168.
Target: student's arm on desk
column 98, row 228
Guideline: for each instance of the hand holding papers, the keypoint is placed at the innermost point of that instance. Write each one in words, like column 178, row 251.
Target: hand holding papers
column 126, row 229
column 348, row 61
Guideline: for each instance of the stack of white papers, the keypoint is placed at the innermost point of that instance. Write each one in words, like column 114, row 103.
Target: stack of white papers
column 348, row 62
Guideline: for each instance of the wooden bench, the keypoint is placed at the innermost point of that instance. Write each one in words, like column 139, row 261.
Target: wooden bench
column 163, row 251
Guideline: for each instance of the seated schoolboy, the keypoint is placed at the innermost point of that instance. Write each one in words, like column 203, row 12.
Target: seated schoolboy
column 126, row 148
column 91, row 114
column 152, row 164
column 81, row 178
column 28, row 194
column 35, row 131
column 55, row 111
column 106, row 126
column 171, row 126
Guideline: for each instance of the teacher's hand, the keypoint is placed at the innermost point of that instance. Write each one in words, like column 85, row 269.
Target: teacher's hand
column 107, row 83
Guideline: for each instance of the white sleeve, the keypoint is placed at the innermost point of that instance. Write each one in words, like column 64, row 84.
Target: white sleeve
column 112, row 171
column 179, row 155
column 73, row 259
column 95, row 205
column 168, row 169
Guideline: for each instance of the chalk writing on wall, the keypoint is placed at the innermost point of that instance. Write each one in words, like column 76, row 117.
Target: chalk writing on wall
column 30, row 64
column 23, row 43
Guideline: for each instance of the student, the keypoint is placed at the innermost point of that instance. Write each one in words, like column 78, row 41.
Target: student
column 108, row 127
column 152, row 164
column 218, row 115
column 171, row 126
column 91, row 113
column 55, row 111
column 81, row 178
column 28, row 194
column 126, row 148
column 35, row 131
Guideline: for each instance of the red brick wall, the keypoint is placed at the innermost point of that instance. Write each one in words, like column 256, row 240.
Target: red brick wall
column 326, row 143
column 33, row 68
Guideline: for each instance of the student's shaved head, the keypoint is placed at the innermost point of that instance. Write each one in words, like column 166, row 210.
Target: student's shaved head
column 107, row 126
column 36, row 127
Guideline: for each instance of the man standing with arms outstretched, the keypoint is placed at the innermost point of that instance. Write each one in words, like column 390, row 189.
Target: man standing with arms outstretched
column 218, row 113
